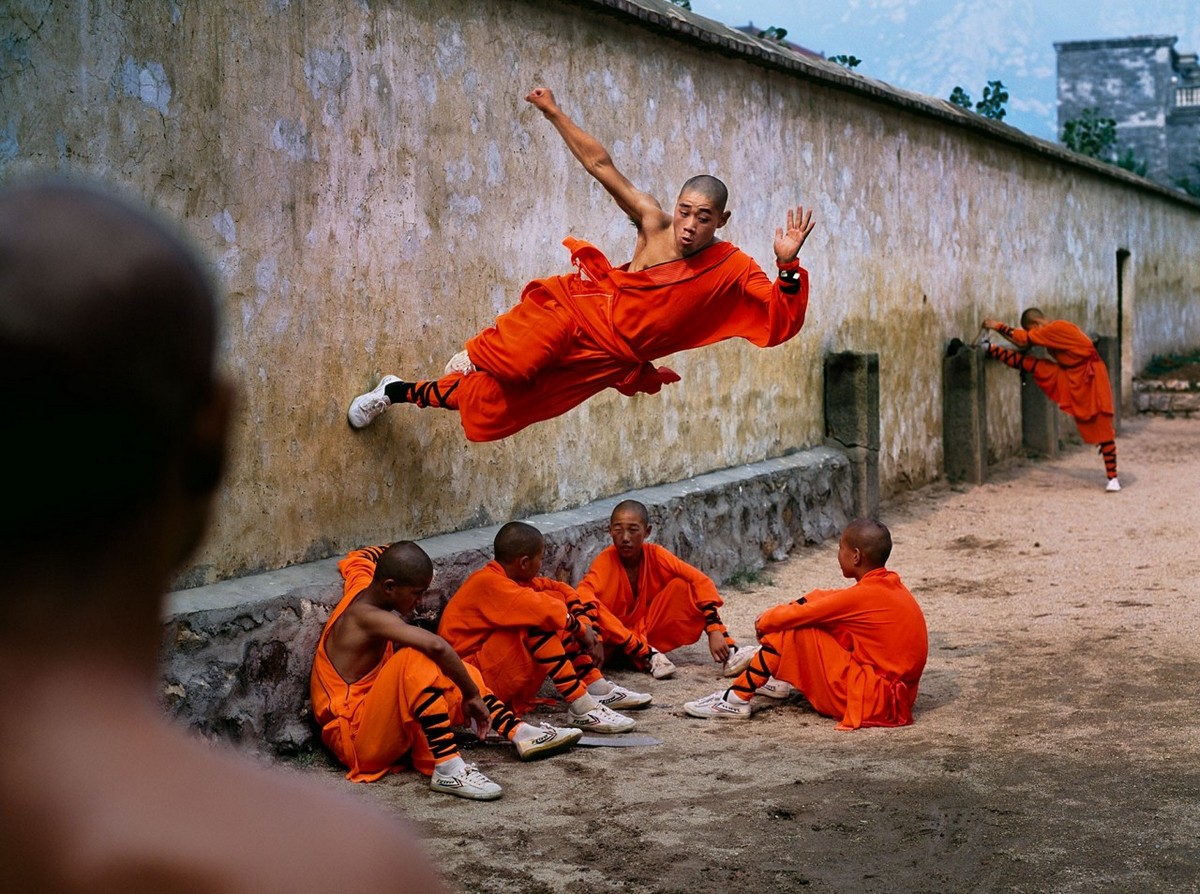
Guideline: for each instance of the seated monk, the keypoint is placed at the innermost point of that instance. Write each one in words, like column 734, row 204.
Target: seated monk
column 1076, row 378
column 856, row 654
column 647, row 601
column 516, row 628
column 387, row 693
column 571, row 337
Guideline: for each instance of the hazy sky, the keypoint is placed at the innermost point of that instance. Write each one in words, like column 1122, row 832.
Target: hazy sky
column 931, row 46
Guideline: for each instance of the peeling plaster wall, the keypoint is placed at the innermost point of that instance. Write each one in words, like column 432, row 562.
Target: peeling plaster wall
column 373, row 190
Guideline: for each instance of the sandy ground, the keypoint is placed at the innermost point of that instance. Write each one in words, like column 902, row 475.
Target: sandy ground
column 1055, row 748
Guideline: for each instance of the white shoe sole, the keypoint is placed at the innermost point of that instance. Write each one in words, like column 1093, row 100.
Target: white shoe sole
column 547, row 744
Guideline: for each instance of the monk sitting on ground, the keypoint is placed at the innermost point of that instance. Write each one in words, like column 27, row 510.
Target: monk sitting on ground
column 1076, row 379
column 650, row 602
column 515, row 627
column 387, row 693
column 856, row 654
column 573, row 336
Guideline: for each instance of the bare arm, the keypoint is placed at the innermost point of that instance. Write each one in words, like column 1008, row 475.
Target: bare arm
column 642, row 207
column 388, row 625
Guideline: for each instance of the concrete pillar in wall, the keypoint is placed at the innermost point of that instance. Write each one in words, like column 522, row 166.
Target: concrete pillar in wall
column 1109, row 349
column 1039, row 419
column 964, row 414
column 852, row 421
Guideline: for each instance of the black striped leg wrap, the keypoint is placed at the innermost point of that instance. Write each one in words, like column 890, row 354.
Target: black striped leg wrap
column 504, row 721
column 433, row 714
column 1109, row 451
column 547, row 650
column 761, row 668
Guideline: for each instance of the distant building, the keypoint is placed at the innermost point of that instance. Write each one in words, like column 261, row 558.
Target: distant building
column 1151, row 91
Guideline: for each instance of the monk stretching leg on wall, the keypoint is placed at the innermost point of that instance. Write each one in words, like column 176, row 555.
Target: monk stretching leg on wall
column 856, row 654
column 573, row 336
column 1076, row 379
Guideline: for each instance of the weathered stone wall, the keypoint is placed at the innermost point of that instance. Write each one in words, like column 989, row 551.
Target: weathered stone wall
column 373, row 190
column 237, row 654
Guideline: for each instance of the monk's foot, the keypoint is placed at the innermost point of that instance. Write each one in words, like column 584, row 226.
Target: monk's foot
column 460, row 363
column 660, row 666
column 1113, row 485
column 457, row 777
column 366, row 408
column 624, row 699
column 776, row 689
column 718, row 707
column 600, row 719
column 739, row 659
column 545, row 740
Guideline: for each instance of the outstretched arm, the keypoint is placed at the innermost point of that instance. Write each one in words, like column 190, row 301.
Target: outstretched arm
column 642, row 207
column 789, row 240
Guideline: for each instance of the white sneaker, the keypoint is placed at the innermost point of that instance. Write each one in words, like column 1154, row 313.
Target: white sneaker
column 773, row 688
column 601, row 720
column 366, row 408
column 623, row 698
column 660, row 666
column 460, row 363
column 1113, row 485
column 716, row 707
column 468, row 782
column 739, row 659
column 550, row 740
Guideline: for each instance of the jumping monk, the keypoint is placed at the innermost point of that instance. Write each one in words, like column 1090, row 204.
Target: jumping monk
column 100, row 508
column 1076, row 379
column 515, row 627
column 648, row 601
column 387, row 693
column 856, row 654
column 573, row 336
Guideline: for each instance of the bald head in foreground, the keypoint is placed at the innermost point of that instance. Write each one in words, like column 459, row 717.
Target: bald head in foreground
column 114, row 424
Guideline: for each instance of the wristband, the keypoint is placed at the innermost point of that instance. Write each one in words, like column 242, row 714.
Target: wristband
column 792, row 266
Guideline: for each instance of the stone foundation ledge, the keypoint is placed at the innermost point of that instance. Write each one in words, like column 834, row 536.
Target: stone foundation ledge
column 237, row 654
column 1169, row 397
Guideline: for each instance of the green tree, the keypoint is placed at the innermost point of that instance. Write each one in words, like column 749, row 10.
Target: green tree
column 960, row 98
column 992, row 104
column 773, row 33
column 1091, row 134
column 1131, row 162
column 847, row 61
column 683, row 4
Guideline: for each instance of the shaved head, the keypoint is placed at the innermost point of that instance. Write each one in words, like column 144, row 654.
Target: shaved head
column 1031, row 317
column 405, row 563
column 871, row 538
column 639, row 509
column 517, row 539
column 107, row 336
column 709, row 187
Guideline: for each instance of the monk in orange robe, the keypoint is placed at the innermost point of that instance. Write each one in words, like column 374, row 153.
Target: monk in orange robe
column 387, row 693
column 573, row 336
column 856, row 654
column 1076, row 378
column 648, row 601
column 516, row 629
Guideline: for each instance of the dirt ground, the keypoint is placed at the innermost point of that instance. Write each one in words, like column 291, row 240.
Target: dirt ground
column 1055, row 748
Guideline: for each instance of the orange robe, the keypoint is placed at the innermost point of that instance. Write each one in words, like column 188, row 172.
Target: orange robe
column 487, row 621
column 857, row 653
column 369, row 723
column 669, row 609
column 1077, row 380
column 573, row 336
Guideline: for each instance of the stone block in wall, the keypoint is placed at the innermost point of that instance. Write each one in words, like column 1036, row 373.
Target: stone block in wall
column 1109, row 349
column 237, row 655
column 964, row 414
column 1039, row 419
column 852, row 421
